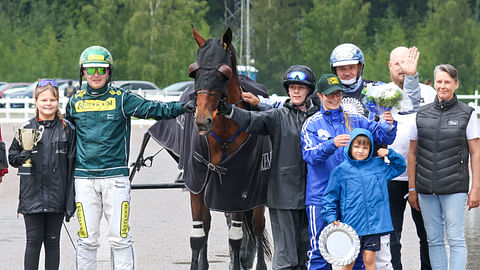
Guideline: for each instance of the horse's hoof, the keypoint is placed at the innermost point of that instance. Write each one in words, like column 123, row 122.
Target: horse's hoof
column 261, row 266
column 203, row 265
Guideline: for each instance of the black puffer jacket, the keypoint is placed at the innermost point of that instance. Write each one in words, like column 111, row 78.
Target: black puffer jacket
column 442, row 152
column 286, row 186
column 50, row 188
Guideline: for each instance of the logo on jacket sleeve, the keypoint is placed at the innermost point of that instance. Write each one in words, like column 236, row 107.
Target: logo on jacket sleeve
column 266, row 161
column 95, row 105
column 323, row 134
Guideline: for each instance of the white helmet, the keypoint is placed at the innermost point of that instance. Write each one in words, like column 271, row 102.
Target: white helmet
column 346, row 54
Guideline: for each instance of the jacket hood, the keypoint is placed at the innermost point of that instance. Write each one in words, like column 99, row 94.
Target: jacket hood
column 355, row 133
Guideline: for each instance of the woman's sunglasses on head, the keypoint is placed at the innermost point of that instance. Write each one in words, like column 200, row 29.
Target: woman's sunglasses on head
column 100, row 70
column 45, row 82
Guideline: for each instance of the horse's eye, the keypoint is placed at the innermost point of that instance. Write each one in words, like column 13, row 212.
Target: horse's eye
column 224, row 72
column 192, row 69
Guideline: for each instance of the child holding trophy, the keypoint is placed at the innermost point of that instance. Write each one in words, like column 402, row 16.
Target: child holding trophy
column 357, row 192
column 44, row 151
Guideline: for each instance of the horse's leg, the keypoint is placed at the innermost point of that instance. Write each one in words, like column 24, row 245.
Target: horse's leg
column 235, row 236
column 198, row 236
column 258, row 221
column 203, row 258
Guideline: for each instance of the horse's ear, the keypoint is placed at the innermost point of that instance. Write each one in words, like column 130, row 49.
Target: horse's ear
column 227, row 37
column 198, row 38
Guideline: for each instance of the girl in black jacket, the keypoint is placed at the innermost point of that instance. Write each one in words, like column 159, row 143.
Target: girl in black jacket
column 47, row 194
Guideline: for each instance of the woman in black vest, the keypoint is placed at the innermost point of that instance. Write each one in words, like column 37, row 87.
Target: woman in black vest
column 445, row 134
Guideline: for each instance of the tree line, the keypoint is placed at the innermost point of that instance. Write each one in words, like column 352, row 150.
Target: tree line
column 151, row 39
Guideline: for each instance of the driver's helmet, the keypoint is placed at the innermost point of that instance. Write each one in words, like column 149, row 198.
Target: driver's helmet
column 299, row 74
column 96, row 56
column 346, row 54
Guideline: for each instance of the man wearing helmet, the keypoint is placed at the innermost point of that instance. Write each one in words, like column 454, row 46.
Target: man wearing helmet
column 347, row 62
column 286, row 187
column 101, row 114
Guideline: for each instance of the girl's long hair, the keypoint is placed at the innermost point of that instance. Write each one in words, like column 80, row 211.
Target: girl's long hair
column 347, row 122
column 54, row 90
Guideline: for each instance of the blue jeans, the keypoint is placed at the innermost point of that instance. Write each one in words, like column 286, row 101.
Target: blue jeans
column 396, row 191
column 445, row 213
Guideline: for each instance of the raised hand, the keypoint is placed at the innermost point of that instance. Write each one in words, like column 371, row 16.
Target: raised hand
column 411, row 61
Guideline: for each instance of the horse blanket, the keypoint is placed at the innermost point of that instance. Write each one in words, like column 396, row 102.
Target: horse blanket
column 239, row 183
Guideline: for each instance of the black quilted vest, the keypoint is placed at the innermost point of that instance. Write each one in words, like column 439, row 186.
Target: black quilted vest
column 442, row 152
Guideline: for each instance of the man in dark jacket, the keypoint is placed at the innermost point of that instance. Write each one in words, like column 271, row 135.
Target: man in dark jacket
column 286, row 188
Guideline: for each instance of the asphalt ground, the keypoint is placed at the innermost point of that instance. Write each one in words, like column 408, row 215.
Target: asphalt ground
column 161, row 223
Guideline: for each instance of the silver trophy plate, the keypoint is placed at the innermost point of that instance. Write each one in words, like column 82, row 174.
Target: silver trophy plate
column 339, row 245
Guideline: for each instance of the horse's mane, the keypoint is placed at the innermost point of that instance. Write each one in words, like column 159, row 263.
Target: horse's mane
column 233, row 57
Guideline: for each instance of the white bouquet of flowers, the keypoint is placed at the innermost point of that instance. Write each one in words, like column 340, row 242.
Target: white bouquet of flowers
column 386, row 97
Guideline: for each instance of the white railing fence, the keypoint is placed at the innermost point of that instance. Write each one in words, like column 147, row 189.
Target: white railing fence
column 19, row 110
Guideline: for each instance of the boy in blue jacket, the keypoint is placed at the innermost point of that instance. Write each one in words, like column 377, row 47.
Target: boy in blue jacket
column 358, row 188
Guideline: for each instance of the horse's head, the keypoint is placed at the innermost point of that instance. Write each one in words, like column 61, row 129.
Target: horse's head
column 212, row 72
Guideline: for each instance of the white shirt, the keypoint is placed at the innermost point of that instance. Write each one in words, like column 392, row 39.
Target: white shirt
column 404, row 123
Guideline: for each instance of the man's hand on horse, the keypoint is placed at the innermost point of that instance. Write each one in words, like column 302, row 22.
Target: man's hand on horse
column 224, row 107
column 250, row 98
column 189, row 106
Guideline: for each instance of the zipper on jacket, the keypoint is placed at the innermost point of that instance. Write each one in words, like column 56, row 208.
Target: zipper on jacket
column 365, row 202
column 434, row 169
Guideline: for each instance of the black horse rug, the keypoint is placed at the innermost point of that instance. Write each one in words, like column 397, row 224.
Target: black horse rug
column 238, row 183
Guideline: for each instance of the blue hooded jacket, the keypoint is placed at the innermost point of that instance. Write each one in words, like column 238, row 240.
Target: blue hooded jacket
column 359, row 189
column 319, row 150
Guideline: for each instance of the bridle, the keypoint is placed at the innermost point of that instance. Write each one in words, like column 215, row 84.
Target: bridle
column 217, row 85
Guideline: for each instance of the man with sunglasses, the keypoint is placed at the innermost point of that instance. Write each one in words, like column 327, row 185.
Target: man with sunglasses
column 286, row 186
column 102, row 116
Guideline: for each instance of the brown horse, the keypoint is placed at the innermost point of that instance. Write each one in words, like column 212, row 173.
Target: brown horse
column 216, row 79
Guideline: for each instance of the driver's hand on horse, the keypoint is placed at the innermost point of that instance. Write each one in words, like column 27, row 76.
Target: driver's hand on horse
column 189, row 106
column 250, row 98
column 224, row 107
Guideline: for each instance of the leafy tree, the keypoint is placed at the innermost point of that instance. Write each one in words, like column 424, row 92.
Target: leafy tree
column 163, row 51
column 386, row 39
column 328, row 24
column 277, row 40
column 450, row 36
